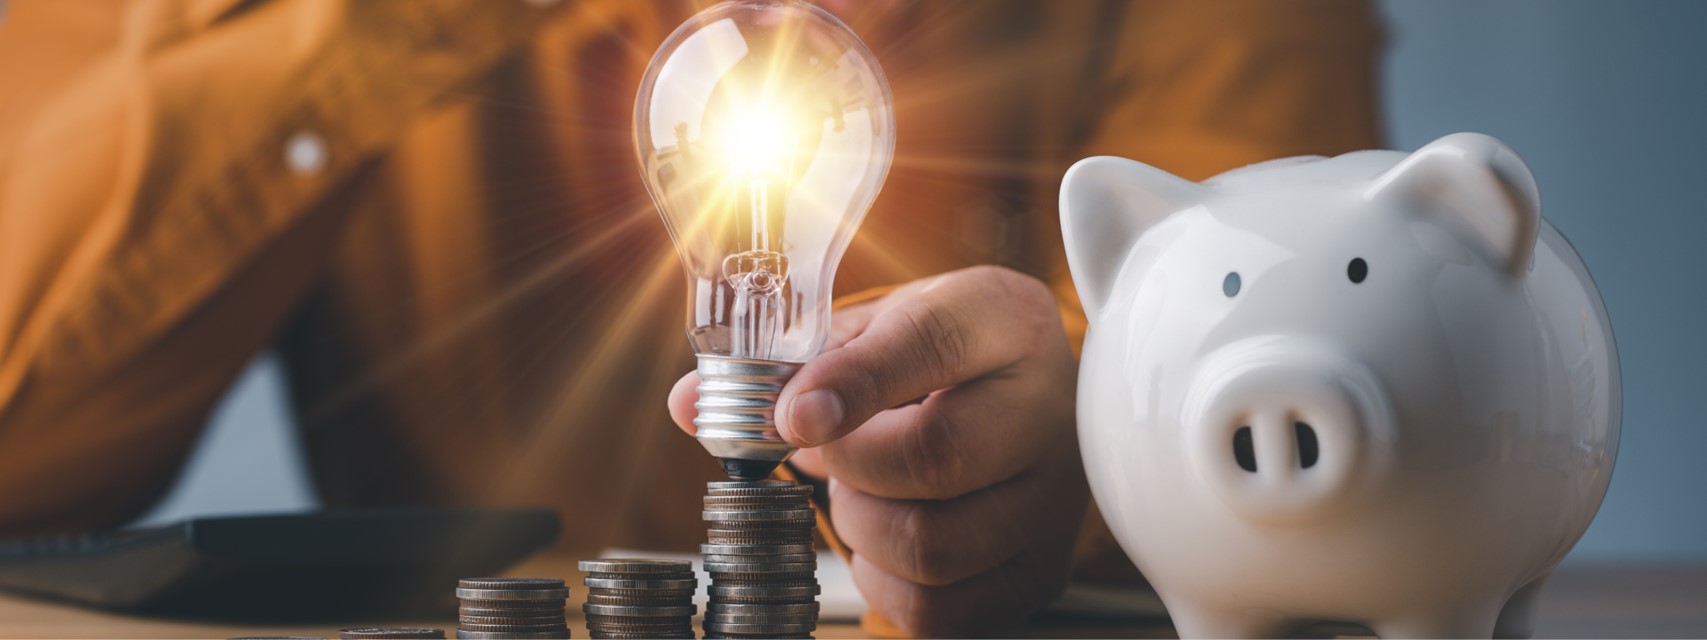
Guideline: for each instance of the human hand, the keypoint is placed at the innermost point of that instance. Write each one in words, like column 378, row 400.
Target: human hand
column 941, row 416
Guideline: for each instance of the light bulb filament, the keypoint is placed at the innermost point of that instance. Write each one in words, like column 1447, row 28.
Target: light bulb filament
column 758, row 192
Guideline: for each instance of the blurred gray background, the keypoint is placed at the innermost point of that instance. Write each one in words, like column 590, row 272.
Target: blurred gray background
column 1605, row 100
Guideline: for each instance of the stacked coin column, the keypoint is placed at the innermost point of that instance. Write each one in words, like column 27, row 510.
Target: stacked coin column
column 764, row 573
column 512, row 608
column 639, row 598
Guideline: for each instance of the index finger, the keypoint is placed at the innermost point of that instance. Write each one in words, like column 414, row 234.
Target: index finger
column 960, row 326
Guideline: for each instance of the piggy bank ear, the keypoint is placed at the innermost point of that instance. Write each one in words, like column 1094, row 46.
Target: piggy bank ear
column 1106, row 204
column 1481, row 187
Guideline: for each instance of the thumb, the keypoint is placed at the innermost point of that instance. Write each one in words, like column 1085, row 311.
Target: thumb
column 682, row 398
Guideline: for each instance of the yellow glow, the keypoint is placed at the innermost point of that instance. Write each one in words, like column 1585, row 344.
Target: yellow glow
column 759, row 139
column 757, row 144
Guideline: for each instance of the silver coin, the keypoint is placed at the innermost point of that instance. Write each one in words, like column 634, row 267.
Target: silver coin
column 509, row 605
column 677, row 625
column 513, row 635
column 766, row 485
column 516, row 620
column 801, row 535
column 754, row 549
column 766, row 515
column 621, row 583
column 757, row 495
column 660, row 622
column 763, row 532
column 772, row 600
column 781, row 557
column 510, row 584
column 761, row 567
column 635, row 565
column 743, row 591
column 500, row 612
column 731, row 627
column 513, row 594
column 637, row 612
column 749, row 506
column 770, row 583
column 762, row 618
column 524, row 628
column 638, row 601
column 646, row 594
column 625, row 632
column 725, row 607
column 685, row 627
column 639, row 632
column 391, row 632
column 755, row 500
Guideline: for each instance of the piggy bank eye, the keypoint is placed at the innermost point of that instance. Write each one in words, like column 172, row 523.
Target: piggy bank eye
column 1357, row 270
column 1230, row 284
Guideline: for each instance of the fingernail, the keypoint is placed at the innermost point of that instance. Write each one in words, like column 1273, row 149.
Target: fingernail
column 815, row 415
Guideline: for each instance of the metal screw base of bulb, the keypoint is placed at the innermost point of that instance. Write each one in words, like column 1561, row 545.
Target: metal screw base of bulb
column 737, row 413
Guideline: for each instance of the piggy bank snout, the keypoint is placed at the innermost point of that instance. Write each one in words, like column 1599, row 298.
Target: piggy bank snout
column 1280, row 430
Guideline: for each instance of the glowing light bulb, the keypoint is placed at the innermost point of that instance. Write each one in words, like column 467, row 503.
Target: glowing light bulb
column 764, row 131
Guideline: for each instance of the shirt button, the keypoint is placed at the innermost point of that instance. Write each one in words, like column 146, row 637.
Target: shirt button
column 305, row 153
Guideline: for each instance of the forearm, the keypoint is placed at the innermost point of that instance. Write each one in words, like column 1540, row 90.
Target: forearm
column 90, row 437
column 163, row 213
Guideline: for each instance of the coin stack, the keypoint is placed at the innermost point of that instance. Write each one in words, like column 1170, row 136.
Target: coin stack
column 512, row 608
column 637, row 598
column 764, row 573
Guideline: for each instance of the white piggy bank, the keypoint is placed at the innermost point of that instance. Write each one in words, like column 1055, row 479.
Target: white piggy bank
column 1374, row 389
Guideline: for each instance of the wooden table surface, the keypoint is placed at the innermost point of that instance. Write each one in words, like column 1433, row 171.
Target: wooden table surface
column 1581, row 601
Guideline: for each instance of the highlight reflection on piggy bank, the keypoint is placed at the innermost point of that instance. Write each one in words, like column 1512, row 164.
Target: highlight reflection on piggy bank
column 1376, row 389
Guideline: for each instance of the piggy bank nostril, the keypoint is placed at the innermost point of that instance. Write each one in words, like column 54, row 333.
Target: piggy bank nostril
column 1308, row 449
column 1244, row 449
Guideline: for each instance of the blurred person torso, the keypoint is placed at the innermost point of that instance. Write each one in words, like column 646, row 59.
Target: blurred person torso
column 432, row 211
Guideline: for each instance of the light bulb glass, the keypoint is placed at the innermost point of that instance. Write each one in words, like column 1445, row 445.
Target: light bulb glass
column 764, row 131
